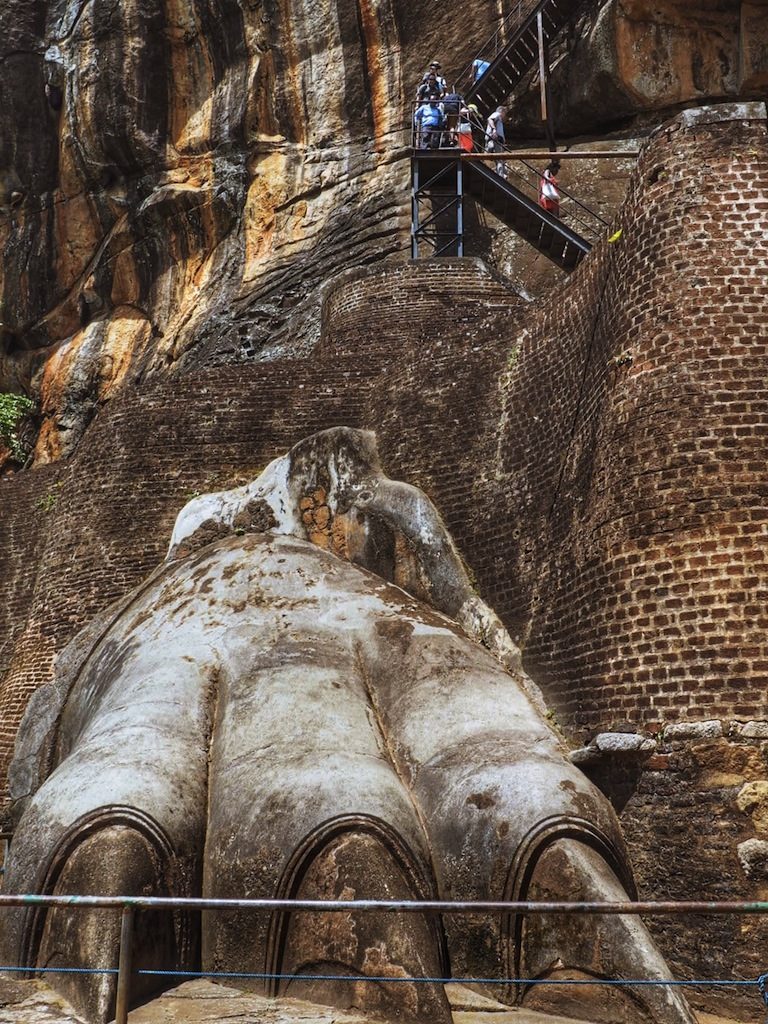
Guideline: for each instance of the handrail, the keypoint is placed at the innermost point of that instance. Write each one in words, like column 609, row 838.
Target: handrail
column 560, row 154
column 634, row 907
column 495, row 43
column 564, row 192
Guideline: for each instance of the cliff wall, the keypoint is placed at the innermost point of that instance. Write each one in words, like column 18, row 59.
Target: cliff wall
column 179, row 178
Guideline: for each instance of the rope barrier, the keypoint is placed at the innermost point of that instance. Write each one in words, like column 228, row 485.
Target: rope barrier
column 378, row 979
column 128, row 905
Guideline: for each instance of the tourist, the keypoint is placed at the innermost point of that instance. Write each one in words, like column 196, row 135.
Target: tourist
column 452, row 105
column 478, row 127
column 494, row 133
column 429, row 122
column 464, row 131
column 434, row 69
column 479, row 67
column 426, row 88
column 549, row 197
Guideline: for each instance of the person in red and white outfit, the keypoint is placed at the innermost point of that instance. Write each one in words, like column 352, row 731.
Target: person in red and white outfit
column 549, row 197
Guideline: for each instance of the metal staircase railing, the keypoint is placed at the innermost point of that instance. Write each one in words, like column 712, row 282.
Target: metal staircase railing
column 513, row 50
column 573, row 212
column 545, row 232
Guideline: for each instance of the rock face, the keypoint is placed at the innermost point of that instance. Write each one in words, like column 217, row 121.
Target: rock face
column 178, row 178
column 264, row 719
column 157, row 164
column 623, row 57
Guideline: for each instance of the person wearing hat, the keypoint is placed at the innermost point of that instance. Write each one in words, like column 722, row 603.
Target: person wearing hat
column 434, row 69
column 470, row 124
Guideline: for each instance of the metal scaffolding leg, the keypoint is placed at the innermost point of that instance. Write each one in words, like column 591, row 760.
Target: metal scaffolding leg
column 437, row 206
column 414, row 209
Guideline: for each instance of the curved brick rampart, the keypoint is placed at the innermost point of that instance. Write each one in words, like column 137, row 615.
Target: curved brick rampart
column 407, row 305
column 652, row 599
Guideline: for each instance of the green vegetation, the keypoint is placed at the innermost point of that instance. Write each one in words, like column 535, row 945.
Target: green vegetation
column 48, row 502
column 13, row 409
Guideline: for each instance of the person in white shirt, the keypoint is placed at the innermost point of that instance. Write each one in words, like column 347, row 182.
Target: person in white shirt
column 494, row 133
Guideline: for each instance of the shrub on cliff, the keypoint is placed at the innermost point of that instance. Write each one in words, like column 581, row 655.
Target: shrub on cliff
column 13, row 409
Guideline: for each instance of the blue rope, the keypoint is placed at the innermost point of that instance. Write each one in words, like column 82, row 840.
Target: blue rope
column 761, row 982
column 262, row 976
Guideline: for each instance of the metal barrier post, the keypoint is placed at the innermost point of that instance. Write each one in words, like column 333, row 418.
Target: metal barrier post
column 124, row 966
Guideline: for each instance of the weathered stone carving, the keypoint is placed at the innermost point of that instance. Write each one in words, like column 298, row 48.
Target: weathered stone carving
column 262, row 718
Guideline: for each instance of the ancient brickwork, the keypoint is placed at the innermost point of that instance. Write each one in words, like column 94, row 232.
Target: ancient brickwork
column 406, row 306
column 653, row 595
column 25, row 649
column 84, row 532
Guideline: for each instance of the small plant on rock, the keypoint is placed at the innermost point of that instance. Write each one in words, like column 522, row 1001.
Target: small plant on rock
column 48, row 502
column 13, row 409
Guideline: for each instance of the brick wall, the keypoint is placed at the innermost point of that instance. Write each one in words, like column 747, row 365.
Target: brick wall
column 406, row 305
column 652, row 602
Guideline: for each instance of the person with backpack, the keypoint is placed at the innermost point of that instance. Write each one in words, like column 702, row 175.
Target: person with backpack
column 549, row 197
column 452, row 105
column 429, row 122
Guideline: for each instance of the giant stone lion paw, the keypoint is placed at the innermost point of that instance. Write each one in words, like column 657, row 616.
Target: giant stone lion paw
column 308, row 700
